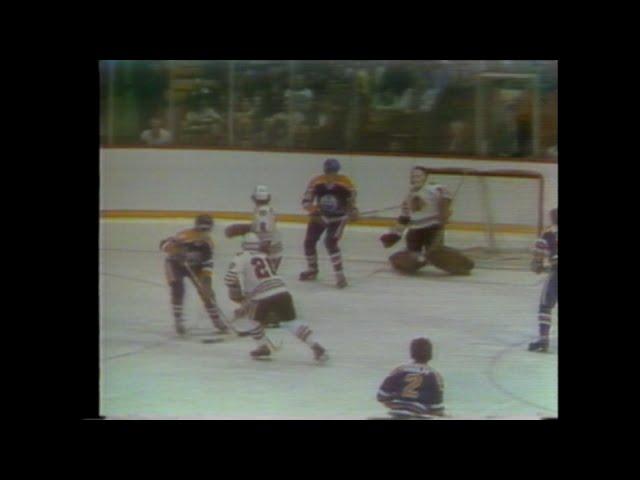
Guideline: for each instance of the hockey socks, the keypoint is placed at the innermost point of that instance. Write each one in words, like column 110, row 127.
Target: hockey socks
column 312, row 268
column 336, row 261
column 305, row 334
column 312, row 262
column 260, row 337
column 544, row 325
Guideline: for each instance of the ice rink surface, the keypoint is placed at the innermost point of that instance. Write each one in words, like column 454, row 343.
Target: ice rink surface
column 479, row 325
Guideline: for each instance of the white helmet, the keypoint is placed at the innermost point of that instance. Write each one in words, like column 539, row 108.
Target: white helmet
column 261, row 194
column 252, row 243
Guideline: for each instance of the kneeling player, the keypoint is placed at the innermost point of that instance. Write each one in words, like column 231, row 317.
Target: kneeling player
column 263, row 225
column 414, row 389
column 425, row 212
column 546, row 247
column 190, row 254
column 251, row 280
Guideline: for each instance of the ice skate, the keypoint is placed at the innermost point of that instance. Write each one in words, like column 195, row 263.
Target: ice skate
column 262, row 352
column 541, row 345
column 180, row 330
column 341, row 281
column 219, row 325
column 319, row 353
column 308, row 275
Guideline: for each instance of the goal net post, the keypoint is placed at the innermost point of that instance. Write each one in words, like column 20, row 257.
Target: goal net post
column 495, row 212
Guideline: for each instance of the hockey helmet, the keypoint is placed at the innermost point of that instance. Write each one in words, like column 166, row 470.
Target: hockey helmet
column 331, row 165
column 204, row 223
column 261, row 194
column 421, row 350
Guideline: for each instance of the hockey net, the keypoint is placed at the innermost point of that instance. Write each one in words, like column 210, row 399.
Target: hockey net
column 497, row 214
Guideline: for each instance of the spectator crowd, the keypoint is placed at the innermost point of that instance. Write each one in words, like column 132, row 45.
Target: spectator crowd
column 366, row 106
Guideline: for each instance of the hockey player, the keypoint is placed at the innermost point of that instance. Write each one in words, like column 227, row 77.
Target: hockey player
column 546, row 247
column 414, row 389
column 330, row 200
column 190, row 254
column 251, row 280
column 425, row 212
column 263, row 225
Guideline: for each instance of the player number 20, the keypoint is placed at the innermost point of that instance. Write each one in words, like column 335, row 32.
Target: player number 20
column 260, row 268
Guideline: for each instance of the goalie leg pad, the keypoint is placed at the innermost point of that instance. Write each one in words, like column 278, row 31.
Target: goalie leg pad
column 451, row 261
column 405, row 261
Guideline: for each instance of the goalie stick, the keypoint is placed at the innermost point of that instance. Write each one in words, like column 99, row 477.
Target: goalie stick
column 385, row 209
column 371, row 212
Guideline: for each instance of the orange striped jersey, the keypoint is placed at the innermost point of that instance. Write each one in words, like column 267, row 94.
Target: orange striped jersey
column 195, row 244
column 333, row 194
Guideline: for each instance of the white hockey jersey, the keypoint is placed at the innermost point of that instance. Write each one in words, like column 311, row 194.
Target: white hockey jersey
column 422, row 206
column 251, row 272
column 264, row 225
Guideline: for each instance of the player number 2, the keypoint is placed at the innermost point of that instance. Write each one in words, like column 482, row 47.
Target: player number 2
column 414, row 382
column 260, row 268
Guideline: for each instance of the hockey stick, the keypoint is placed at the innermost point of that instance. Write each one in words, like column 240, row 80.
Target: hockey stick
column 370, row 212
column 205, row 296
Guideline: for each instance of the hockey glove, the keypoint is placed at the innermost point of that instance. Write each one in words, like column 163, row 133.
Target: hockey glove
column 537, row 266
column 237, row 229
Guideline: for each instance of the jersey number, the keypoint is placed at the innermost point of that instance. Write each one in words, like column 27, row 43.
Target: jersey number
column 414, row 382
column 260, row 268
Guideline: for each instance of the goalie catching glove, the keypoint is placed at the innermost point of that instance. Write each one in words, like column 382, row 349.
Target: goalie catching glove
column 389, row 239
column 237, row 229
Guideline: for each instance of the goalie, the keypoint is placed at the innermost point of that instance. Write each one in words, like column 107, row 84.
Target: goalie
column 425, row 212
column 263, row 225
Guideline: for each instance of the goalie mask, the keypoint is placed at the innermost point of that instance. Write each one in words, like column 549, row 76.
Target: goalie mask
column 418, row 177
column 252, row 243
column 261, row 195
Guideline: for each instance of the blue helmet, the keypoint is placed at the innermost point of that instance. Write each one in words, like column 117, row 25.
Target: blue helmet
column 331, row 165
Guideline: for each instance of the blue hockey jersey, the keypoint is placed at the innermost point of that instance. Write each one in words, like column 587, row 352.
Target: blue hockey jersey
column 413, row 388
column 547, row 245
